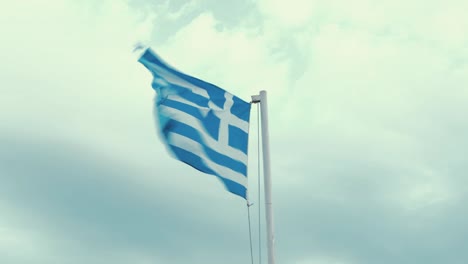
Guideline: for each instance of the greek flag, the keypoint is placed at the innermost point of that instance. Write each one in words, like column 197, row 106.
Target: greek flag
column 201, row 124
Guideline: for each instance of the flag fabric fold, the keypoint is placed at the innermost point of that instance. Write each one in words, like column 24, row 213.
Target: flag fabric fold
column 201, row 124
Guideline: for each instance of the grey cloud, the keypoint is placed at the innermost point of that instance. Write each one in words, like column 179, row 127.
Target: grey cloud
column 367, row 139
column 91, row 202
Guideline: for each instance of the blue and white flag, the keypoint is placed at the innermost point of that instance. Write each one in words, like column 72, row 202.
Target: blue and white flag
column 201, row 124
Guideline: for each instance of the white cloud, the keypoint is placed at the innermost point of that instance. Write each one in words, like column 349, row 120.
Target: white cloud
column 376, row 115
column 370, row 92
column 68, row 68
column 293, row 13
column 238, row 60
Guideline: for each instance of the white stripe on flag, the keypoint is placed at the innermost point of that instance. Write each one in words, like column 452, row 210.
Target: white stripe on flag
column 197, row 149
column 233, row 120
column 190, row 120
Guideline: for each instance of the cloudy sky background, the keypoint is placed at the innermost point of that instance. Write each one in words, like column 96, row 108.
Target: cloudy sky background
column 368, row 105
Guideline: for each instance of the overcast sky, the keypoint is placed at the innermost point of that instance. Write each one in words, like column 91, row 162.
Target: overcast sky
column 368, row 119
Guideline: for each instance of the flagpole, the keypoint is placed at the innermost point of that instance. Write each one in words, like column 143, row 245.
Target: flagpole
column 262, row 99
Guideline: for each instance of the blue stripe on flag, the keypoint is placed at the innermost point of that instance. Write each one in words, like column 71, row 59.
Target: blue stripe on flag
column 194, row 98
column 197, row 163
column 234, row 187
column 191, row 159
column 243, row 111
column 238, row 138
column 183, row 92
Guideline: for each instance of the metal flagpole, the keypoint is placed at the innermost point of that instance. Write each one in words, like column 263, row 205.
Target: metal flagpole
column 262, row 99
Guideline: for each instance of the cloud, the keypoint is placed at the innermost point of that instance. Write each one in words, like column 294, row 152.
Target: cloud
column 288, row 14
column 89, row 208
column 367, row 116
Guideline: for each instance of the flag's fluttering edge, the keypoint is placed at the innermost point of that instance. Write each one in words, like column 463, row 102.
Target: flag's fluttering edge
column 201, row 124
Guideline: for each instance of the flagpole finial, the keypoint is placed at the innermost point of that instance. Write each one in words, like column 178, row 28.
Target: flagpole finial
column 255, row 99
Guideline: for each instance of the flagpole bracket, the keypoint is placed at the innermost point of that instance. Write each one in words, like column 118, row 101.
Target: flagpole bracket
column 255, row 99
